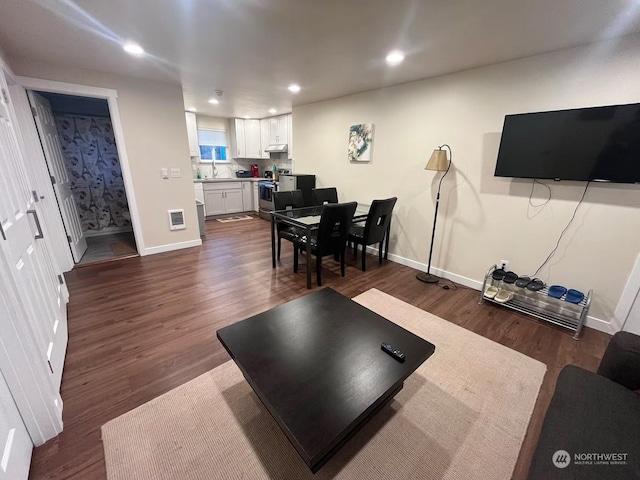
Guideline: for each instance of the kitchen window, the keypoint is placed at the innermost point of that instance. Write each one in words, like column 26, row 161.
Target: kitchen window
column 213, row 145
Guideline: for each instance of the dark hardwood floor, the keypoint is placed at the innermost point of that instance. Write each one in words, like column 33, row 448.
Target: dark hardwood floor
column 140, row 327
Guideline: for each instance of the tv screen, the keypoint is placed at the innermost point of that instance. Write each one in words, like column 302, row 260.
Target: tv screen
column 597, row 144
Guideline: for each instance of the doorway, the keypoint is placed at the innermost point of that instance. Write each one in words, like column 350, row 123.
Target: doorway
column 80, row 148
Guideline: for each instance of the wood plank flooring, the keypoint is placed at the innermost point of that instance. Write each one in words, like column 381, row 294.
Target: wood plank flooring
column 140, row 327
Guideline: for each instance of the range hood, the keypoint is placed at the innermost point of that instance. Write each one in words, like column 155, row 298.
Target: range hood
column 277, row 148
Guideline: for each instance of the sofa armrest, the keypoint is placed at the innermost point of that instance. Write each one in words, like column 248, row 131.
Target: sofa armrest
column 621, row 361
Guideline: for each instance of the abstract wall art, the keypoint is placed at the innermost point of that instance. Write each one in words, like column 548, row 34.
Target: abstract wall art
column 360, row 142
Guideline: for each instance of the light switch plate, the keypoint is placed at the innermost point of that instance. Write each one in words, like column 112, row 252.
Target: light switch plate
column 165, row 173
column 175, row 173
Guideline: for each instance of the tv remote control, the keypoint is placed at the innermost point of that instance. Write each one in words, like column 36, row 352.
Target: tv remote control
column 394, row 352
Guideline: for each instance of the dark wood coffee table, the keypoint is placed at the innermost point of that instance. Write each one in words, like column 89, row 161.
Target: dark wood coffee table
column 317, row 366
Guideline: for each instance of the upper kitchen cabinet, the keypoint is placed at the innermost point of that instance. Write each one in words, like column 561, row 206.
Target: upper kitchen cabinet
column 192, row 134
column 278, row 129
column 265, row 136
column 252, row 139
column 237, row 138
column 245, row 138
column 248, row 138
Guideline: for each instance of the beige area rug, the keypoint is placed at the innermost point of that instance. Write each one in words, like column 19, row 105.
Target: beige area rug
column 239, row 218
column 462, row 415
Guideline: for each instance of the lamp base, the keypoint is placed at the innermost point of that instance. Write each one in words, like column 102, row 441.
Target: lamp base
column 427, row 277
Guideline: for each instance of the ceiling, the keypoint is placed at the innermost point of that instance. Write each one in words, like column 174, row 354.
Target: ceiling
column 253, row 49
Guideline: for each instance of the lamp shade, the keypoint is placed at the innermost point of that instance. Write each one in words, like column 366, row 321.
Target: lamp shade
column 438, row 161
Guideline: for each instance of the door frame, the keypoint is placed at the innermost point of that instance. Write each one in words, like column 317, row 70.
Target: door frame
column 628, row 297
column 111, row 96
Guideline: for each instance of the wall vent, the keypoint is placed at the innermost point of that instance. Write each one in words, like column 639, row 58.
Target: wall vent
column 176, row 220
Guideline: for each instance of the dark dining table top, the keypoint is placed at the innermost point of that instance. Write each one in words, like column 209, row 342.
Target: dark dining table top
column 310, row 216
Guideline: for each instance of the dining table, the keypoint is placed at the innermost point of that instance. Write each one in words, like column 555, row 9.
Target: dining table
column 308, row 219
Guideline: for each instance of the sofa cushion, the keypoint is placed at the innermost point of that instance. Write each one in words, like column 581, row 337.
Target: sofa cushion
column 589, row 414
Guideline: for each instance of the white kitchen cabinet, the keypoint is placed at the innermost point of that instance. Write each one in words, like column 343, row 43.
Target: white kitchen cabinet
column 256, row 197
column 283, row 129
column 245, row 138
column 276, row 129
column 214, row 202
column 227, row 197
column 273, row 130
column 237, row 141
column 252, row 139
column 192, row 134
column 264, row 137
column 233, row 201
column 247, row 197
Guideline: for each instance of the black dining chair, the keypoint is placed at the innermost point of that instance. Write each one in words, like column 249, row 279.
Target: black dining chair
column 284, row 201
column 374, row 229
column 325, row 195
column 330, row 238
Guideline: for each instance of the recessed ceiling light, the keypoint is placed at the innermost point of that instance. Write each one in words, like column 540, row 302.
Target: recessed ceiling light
column 395, row 57
column 192, row 109
column 133, row 49
column 294, row 88
column 247, row 117
column 273, row 110
column 214, row 101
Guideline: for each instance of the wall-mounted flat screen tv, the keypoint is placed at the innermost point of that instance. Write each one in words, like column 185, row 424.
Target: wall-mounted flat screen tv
column 596, row 144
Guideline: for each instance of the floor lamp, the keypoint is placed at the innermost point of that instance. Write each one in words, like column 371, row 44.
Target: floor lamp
column 439, row 163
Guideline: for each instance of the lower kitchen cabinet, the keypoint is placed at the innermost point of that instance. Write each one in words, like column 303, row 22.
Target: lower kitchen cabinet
column 214, row 202
column 247, row 196
column 228, row 197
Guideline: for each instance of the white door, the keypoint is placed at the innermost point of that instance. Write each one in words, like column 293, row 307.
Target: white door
column 29, row 266
column 15, row 444
column 233, row 201
column 60, row 178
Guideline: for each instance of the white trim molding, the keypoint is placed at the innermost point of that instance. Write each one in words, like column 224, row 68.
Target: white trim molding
column 592, row 322
column 111, row 96
column 171, row 246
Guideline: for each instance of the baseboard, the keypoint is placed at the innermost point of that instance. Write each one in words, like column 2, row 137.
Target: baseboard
column 171, row 246
column 467, row 282
column 591, row 322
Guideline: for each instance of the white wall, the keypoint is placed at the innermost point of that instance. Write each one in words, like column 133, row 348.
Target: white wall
column 212, row 123
column 155, row 135
column 484, row 219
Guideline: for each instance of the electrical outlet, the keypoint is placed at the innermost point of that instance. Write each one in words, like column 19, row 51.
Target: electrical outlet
column 504, row 264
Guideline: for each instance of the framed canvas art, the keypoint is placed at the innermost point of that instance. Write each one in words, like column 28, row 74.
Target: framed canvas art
column 360, row 142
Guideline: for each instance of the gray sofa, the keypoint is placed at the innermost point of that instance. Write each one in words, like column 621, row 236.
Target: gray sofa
column 594, row 416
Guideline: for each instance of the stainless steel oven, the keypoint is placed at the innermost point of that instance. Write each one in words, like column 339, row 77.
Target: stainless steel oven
column 265, row 192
